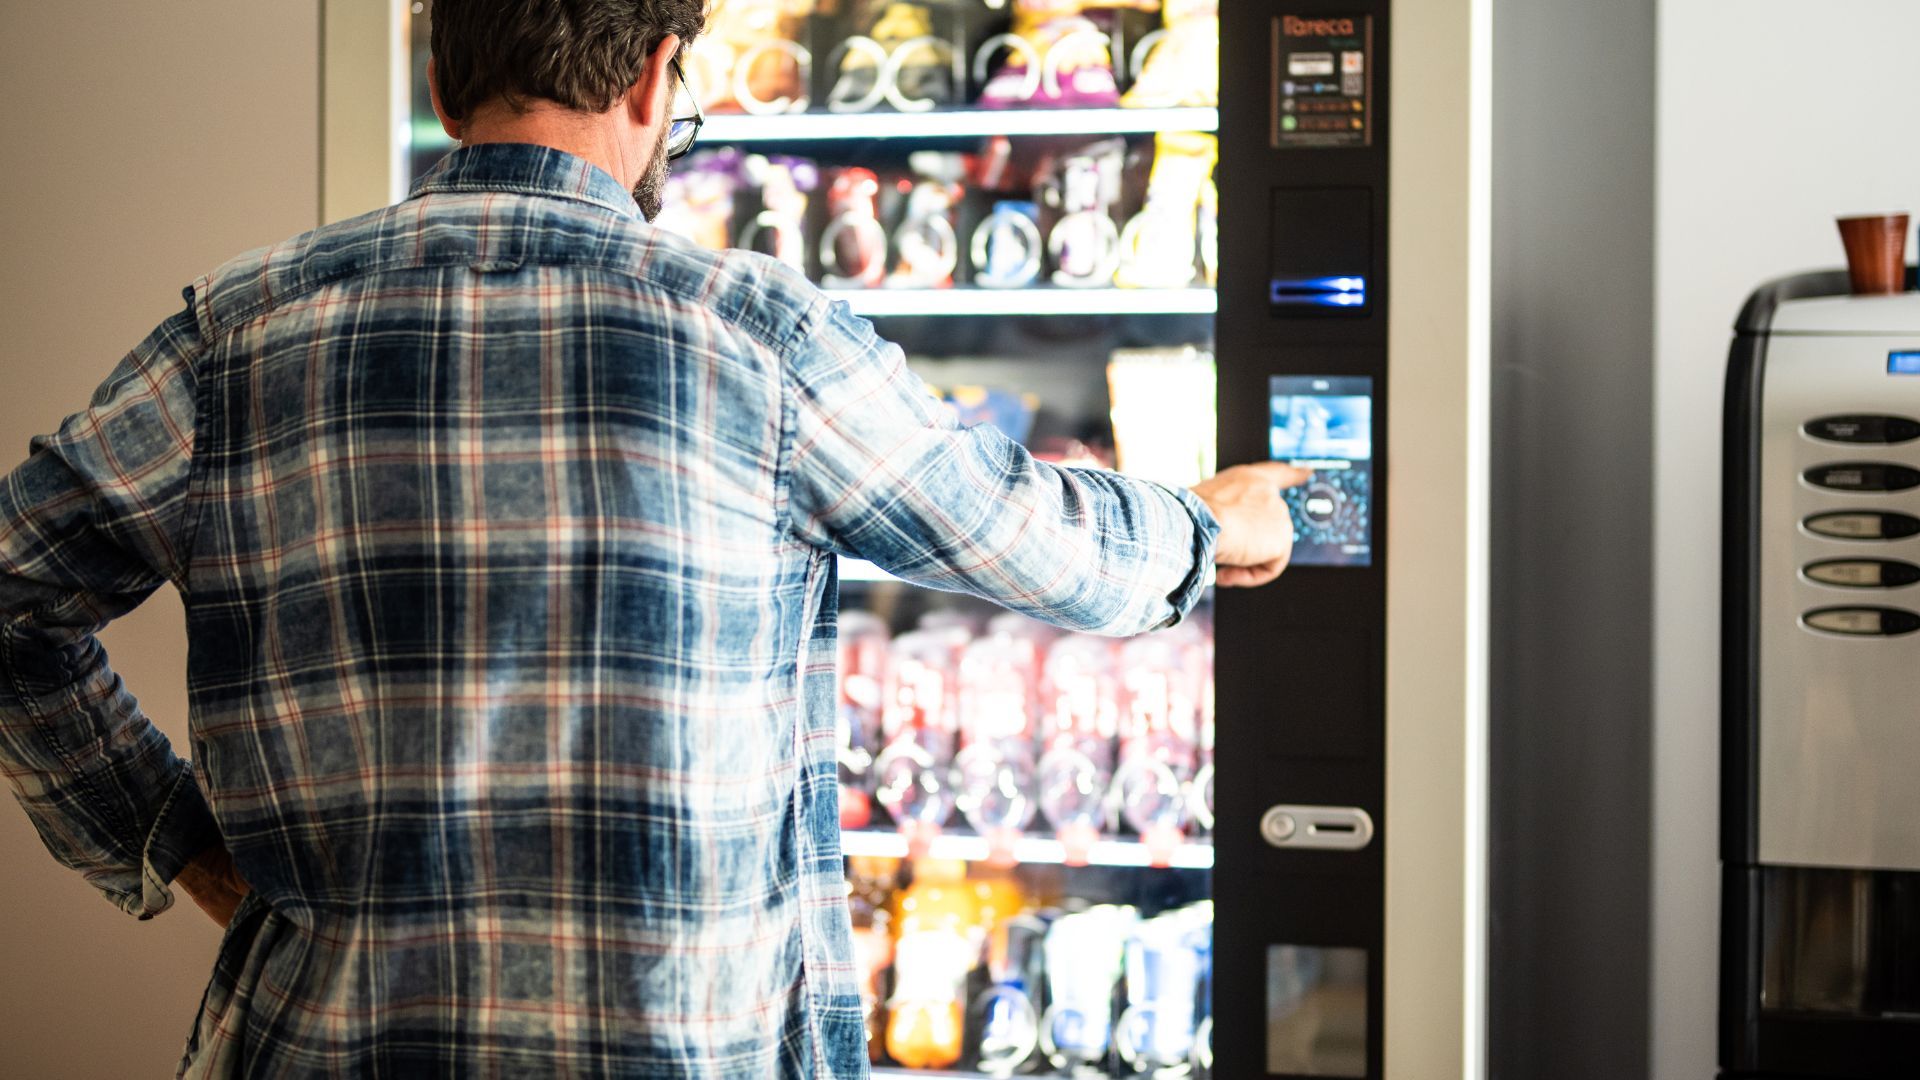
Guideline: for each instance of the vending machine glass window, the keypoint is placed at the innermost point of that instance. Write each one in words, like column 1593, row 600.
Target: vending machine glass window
column 1026, row 197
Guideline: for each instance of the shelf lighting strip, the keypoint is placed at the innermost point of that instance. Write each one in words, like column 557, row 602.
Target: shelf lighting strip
column 1031, row 849
column 960, row 123
column 968, row 301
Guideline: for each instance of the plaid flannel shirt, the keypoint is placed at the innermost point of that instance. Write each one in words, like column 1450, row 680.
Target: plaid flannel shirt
column 505, row 528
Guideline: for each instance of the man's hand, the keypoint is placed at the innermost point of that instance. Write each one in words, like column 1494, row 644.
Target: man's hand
column 1256, row 529
column 213, row 883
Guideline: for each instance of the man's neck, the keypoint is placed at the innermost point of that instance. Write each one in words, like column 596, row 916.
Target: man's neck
column 584, row 135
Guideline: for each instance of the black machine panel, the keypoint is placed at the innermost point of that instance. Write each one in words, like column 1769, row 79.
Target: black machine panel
column 1302, row 361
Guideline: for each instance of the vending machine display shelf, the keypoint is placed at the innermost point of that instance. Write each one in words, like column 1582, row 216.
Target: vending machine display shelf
column 888, row 1072
column 954, row 124
column 1039, row 301
column 1192, row 855
column 740, row 129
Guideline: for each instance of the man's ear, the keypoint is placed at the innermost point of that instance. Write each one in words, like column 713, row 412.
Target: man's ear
column 447, row 123
column 650, row 100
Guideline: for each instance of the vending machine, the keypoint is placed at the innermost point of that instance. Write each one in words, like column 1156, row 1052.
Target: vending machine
column 1820, row 819
column 1147, row 235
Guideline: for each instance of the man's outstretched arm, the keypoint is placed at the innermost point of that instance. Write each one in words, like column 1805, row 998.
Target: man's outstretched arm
column 90, row 525
column 881, row 470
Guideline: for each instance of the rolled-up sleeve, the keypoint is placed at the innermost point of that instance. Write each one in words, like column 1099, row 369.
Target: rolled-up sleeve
column 91, row 525
column 883, row 471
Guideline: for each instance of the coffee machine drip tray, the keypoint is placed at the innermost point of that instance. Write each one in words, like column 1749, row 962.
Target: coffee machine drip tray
column 1841, row 942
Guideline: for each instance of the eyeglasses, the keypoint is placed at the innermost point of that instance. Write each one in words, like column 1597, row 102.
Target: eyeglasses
column 684, row 127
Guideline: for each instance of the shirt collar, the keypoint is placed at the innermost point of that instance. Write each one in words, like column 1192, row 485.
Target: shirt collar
column 526, row 169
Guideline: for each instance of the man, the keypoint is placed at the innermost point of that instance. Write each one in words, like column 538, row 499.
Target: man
column 505, row 527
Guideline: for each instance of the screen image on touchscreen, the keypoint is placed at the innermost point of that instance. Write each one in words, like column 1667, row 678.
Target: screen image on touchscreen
column 1325, row 424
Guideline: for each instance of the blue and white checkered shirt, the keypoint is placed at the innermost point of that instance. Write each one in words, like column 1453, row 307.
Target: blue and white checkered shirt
column 505, row 528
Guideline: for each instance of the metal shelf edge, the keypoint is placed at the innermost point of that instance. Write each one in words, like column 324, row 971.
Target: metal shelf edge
column 1032, row 849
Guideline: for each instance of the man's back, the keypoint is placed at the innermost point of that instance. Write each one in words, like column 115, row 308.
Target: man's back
column 505, row 527
column 496, row 627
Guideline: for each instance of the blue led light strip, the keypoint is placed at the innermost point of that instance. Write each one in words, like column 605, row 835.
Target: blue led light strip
column 1331, row 291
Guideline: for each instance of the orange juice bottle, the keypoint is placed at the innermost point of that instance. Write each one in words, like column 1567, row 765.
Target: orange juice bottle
column 937, row 944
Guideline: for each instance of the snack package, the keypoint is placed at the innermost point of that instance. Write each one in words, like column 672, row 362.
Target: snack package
column 782, row 184
column 698, row 202
column 926, row 248
column 1055, row 57
column 1164, row 414
column 750, row 58
column 901, row 59
column 1160, row 247
column 1082, row 188
column 1007, row 249
column 1178, row 64
column 853, row 247
column 1007, row 410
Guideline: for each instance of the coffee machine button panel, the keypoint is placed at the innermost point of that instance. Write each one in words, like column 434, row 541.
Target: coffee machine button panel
column 1863, row 621
column 1863, row 476
column 1864, row 428
column 1863, row 573
column 1863, row 525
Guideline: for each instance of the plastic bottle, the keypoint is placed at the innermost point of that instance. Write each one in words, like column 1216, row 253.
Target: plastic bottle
column 1079, row 718
column 913, row 775
column 861, row 674
column 939, row 942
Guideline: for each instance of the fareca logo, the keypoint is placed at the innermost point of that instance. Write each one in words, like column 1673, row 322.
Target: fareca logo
column 1294, row 26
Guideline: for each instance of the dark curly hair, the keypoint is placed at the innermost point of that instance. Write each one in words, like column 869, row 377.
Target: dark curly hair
column 582, row 54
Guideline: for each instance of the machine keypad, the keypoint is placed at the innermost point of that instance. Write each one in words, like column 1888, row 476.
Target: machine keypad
column 1863, row 476
column 1863, row 525
column 1863, row 573
column 1863, row 621
column 1864, row 428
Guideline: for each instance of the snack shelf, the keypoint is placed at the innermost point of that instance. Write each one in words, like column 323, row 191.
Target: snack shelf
column 889, row 1072
column 1040, row 301
column 742, row 129
column 1192, row 855
column 954, row 124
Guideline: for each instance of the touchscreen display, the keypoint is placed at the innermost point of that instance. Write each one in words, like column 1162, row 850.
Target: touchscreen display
column 1325, row 424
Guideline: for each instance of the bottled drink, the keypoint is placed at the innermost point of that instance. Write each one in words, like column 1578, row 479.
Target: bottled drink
column 913, row 774
column 861, row 670
column 995, row 767
column 1166, row 958
column 1159, row 735
column 1084, row 952
column 1078, row 722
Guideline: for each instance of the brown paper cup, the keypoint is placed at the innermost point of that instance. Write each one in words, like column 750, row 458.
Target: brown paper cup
column 1876, row 253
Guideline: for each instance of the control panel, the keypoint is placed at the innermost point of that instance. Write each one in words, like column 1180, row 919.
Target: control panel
column 1839, row 601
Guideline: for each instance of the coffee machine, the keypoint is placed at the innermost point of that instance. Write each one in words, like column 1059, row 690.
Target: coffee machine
column 1820, row 694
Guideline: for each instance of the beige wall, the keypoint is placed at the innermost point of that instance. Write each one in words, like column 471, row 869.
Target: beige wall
column 144, row 144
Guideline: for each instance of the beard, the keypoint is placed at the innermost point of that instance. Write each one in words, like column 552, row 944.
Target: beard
column 651, row 189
